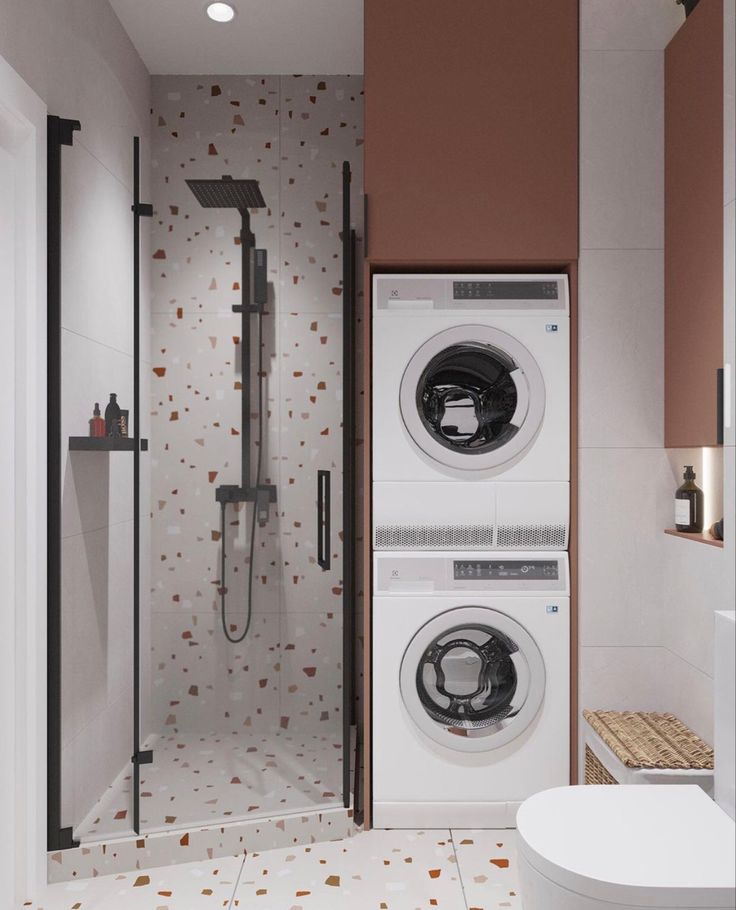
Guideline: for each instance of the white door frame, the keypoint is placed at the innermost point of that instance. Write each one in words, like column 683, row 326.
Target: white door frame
column 23, row 484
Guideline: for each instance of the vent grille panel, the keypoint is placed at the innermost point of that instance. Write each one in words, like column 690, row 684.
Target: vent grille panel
column 433, row 537
column 532, row 537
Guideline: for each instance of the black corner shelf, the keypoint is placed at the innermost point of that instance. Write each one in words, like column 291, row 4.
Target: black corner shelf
column 103, row 444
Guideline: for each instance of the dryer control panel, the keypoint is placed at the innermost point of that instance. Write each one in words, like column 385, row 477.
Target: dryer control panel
column 507, row 573
column 510, row 294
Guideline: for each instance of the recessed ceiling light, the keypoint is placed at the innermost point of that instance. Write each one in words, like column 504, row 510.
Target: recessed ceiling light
column 220, row 12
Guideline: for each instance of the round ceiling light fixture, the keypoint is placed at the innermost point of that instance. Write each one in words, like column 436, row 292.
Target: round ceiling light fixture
column 220, row 12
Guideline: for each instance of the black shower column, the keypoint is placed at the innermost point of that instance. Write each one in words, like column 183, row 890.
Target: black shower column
column 247, row 242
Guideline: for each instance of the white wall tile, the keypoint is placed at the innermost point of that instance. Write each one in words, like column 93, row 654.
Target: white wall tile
column 79, row 59
column 623, row 493
column 689, row 693
column 97, row 270
column 626, row 496
column 621, row 365
column 697, row 581
column 628, row 24
column 85, row 561
column 622, row 679
column 621, row 142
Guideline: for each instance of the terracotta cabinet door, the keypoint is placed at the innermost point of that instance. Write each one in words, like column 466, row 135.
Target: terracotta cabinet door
column 693, row 242
column 471, row 119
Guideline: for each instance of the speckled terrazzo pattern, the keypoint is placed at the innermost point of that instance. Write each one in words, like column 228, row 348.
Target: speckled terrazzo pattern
column 200, row 780
column 203, row 884
column 291, row 133
column 375, row 870
column 186, row 845
column 487, row 864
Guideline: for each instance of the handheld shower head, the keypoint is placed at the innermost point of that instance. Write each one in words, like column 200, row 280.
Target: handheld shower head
column 227, row 193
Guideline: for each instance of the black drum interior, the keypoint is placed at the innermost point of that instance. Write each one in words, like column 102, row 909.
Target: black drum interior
column 466, row 397
column 466, row 679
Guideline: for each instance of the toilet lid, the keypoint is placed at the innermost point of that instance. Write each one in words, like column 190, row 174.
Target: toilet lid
column 644, row 846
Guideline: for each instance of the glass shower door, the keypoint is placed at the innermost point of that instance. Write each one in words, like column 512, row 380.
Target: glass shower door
column 248, row 724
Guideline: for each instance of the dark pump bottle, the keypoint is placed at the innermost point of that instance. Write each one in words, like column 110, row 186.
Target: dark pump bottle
column 112, row 416
column 689, row 504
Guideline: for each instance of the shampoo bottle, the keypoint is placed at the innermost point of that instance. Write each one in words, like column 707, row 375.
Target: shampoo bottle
column 689, row 504
column 112, row 416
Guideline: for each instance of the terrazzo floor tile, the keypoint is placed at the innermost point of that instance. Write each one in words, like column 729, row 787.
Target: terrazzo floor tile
column 487, row 865
column 197, row 779
column 191, row 886
column 375, row 870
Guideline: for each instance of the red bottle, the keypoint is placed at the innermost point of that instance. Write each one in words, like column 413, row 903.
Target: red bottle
column 97, row 424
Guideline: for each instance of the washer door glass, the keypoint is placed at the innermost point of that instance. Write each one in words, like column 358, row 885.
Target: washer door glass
column 472, row 397
column 472, row 679
column 467, row 397
column 466, row 679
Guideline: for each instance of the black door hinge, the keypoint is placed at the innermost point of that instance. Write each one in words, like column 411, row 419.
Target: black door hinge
column 142, row 758
column 144, row 209
column 66, row 840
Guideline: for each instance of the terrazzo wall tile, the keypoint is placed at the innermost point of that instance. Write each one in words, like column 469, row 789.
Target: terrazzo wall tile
column 204, row 684
column 311, row 439
column 291, row 133
column 312, row 672
column 321, row 126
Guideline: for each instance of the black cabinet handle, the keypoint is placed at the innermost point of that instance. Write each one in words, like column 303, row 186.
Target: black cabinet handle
column 323, row 520
column 719, row 407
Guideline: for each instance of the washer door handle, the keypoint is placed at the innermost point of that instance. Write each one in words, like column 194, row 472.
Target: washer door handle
column 522, row 397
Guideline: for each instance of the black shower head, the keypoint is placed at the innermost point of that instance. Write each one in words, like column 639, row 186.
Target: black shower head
column 227, row 193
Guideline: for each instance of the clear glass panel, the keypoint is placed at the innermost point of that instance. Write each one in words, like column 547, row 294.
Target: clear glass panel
column 466, row 678
column 466, row 398
column 96, row 519
column 253, row 727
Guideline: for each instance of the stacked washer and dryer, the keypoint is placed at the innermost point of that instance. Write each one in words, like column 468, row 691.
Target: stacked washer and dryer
column 471, row 493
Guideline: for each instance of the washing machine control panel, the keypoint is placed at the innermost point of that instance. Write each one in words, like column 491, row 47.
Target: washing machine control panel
column 509, row 573
column 506, row 569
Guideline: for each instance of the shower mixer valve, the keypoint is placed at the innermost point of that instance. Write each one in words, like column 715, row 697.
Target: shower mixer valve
column 262, row 495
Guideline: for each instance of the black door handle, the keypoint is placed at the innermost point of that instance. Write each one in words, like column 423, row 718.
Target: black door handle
column 323, row 520
column 719, row 407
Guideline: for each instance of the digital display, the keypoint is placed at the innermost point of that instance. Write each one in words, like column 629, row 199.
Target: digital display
column 504, row 290
column 506, row 569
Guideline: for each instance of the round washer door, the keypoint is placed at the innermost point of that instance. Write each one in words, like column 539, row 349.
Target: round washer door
column 472, row 679
column 472, row 398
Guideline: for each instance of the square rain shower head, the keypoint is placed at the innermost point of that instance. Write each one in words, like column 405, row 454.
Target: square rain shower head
column 227, row 193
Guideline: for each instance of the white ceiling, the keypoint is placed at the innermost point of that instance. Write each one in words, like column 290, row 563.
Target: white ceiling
column 266, row 36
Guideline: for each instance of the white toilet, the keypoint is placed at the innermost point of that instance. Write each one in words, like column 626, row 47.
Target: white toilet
column 634, row 847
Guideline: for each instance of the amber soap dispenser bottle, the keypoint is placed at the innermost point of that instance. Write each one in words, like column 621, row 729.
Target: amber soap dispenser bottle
column 689, row 504
column 97, row 428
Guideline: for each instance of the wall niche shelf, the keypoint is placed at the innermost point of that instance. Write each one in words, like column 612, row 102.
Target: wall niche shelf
column 705, row 537
column 103, row 444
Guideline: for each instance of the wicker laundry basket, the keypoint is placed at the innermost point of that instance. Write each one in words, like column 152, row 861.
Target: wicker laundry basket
column 639, row 746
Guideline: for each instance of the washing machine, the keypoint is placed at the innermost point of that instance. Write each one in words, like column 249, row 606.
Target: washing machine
column 471, row 412
column 470, row 685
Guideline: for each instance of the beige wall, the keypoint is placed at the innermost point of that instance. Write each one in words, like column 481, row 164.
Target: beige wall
column 78, row 59
column 646, row 600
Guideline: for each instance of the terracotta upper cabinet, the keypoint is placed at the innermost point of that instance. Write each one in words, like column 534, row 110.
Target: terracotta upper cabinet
column 471, row 130
column 693, row 242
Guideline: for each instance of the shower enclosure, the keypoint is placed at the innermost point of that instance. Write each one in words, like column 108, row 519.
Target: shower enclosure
column 233, row 664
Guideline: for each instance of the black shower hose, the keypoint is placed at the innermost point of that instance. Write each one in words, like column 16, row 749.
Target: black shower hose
column 223, row 506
